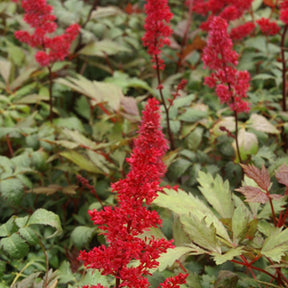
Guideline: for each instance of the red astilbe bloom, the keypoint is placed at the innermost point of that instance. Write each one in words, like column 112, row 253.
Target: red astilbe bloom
column 242, row 31
column 157, row 29
column 123, row 224
column 231, row 85
column 227, row 9
column 268, row 27
column 38, row 14
column 284, row 12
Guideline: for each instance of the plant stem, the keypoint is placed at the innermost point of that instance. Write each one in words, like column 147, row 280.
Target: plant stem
column 236, row 136
column 185, row 37
column 50, row 94
column 284, row 69
column 284, row 84
column 170, row 135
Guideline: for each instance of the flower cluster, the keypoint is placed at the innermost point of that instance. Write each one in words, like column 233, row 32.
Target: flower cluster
column 231, row 84
column 242, row 31
column 226, row 9
column 284, row 11
column 157, row 29
column 268, row 27
column 38, row 14
column 123, row 224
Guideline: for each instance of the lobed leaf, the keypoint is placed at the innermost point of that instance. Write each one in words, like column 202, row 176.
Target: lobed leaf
column 217, row 193
column 282, row 175
column 261, row 177
column 253, row 194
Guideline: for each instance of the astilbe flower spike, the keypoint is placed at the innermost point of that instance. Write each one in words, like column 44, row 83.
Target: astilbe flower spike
column 157, row 29
column 268, row 27
column 123, row 224
column 38, row 14
column 227, row 9
column 231, row 84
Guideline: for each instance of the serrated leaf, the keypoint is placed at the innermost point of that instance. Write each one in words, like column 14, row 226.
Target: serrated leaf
column 217, row 193
column 29, row 235
column 44, row 217
column 8, row 228
column 82, row 161
column 80, row 139
column 98, row 92
column 81, row 235
column 282, row 175
column 229, row 255
column 253, row 194
column 28, row 281
column 11, row 189
column 240, row 222
column 193, row 115
column 182, row 203
column 99, row 161
column 167, row 259
column 260, row 123
column 15, row 246
column 93, row 278
column 105, row 12
column 70, row 123
column 261, row 177
column 103, row 48
column 276, row 245
column 200, row 233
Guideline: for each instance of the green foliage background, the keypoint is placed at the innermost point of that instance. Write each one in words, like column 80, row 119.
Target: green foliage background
column 98, row 96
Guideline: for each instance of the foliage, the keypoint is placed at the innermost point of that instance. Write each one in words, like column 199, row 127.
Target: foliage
column 68, row 125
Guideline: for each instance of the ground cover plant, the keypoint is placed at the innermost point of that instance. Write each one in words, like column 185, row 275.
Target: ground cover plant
column 143, row 143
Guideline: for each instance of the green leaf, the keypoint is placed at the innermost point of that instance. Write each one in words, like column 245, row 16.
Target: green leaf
column 229, row 255
column 276, row 245
column 82, row 235
column 93, row 277
column 98, row 92
column 226, row 279
column 15, row 246
column 201, row 233
column 8, row 228
column 193, row 115
column 82, row 161
column 44, row 217
column 167, row 259
column 248, row 144
column 217, row 193
column 70, row 123
column 260, row 123
column 103, row 48
column 29, row 235
column 182, row 203
column 11, row 189
column 240, row 220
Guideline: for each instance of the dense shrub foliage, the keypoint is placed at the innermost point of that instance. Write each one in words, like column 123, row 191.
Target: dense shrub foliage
column 143, row 143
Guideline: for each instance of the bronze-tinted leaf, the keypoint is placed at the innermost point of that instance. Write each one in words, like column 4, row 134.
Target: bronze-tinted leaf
column 261, row 177
column 253, row 194
column 282, row 175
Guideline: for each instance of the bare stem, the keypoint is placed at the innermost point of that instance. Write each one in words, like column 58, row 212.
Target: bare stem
column 50, row 94
column 236, row 136
column 170, row 135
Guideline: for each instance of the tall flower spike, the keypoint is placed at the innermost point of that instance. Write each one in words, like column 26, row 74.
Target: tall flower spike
column 38, row 14
column 231, row 85
column 157, row 29
column 123, row 224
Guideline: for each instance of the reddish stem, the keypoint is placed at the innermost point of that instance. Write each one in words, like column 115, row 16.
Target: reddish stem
column 170, row 135
column 9, row 145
